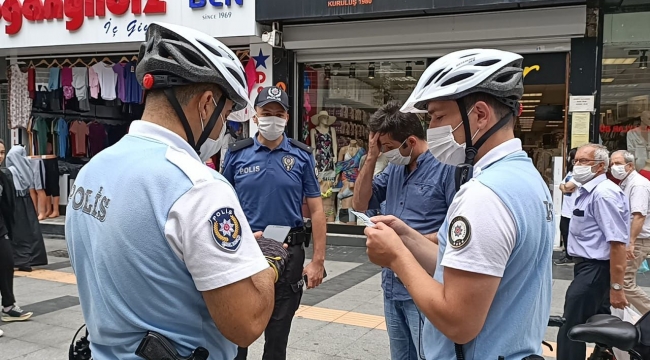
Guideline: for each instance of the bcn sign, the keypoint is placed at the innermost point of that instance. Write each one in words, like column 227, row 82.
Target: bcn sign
column 196, row 4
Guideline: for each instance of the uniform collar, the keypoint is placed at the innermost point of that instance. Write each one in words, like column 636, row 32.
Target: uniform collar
column 591, row 185
column 284, row 145
column 156, row 132
column 496, row 154
column 629, row 179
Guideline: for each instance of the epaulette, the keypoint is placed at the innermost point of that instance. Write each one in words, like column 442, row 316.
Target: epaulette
column 298, row 144
column 241, row 144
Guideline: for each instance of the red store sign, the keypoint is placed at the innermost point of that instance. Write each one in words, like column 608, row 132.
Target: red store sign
column 13, row 12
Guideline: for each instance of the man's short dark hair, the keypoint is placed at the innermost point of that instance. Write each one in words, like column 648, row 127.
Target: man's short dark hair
column 500, row 110
column 398, row 125
column 185, row 93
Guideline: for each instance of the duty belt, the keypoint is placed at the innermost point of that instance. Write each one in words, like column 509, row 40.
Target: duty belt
column 298, row 236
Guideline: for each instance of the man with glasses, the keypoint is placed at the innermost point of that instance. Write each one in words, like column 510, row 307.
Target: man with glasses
column 598, row 234
column 637, row 189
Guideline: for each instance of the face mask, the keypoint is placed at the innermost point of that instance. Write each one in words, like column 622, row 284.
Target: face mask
column 271, row 127
column 619, row 172
column 583, row 173
column 396, row 158
column 443, row 146
column 211, row 146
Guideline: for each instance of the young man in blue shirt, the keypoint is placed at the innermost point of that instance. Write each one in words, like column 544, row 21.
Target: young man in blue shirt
column 418, row 189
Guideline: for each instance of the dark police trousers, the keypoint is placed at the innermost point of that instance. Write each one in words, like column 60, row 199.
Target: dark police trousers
column 587, row 295
column 287, row 299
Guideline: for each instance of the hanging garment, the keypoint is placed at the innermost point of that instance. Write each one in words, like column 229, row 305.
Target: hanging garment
column 20, row 103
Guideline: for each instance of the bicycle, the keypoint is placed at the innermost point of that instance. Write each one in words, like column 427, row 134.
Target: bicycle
column 607, row 332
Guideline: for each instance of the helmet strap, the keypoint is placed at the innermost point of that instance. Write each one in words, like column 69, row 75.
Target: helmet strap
column 171, row 97
column 211, row 123
column 465, row 171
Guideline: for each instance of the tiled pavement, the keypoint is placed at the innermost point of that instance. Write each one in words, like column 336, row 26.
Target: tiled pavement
column 341, row 320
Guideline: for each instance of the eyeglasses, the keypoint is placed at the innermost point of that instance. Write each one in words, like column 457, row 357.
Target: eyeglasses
column 584, row 161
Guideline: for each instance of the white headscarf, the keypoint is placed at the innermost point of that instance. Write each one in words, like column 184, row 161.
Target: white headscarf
column 18, row 164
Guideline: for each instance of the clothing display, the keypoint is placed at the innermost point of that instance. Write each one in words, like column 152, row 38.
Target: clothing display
column 96, row 138
column 323, row 140
column 38, row 173
column 51, row 168
column 107, row 79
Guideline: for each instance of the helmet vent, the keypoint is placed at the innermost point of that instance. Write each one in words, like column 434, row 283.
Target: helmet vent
column 210, row 49
column 504, row 78
column 487, row 63
column 432, row 77
column 456, row 79
column 237, row 77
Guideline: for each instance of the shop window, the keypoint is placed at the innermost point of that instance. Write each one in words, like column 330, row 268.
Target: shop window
column 338, row 99
column 625, row 86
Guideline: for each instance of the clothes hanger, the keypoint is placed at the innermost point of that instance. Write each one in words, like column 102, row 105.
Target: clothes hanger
column 79, row 61
column 107, row 60
column 31, row 64
column 92, row 62
column 42, row 62
column 124, row 59
column 54, row 62
column 66, row 61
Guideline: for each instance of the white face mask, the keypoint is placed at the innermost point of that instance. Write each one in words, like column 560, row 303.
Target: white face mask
column 583, row 173
column 443, row 146
column 396, row 158
column 619, row 172
column 210, row 146
column 271, row 127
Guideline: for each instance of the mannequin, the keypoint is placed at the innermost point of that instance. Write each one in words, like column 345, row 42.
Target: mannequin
column 350, row 160
column 638, row 141
column 323, row 139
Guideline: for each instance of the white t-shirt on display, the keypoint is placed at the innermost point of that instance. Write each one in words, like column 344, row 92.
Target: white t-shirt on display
column 107, row 80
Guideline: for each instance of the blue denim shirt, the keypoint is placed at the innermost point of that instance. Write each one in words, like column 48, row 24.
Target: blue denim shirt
column 419, row 198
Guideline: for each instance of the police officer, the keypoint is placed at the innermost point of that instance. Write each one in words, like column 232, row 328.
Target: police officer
column 158, row 240
column 490, row 294
column 272, row 174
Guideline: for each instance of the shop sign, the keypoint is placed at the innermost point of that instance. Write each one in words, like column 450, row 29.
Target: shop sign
column 14, row 13
column 581, row 103
column 544, row 69
column 296, row 10
column 35, row 23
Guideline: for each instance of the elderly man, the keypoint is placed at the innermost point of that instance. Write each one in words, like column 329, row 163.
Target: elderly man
column 637, row 189
column 598, row 234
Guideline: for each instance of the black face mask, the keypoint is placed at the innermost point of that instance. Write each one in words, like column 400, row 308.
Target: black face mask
column 465, row 171
column 171, row 97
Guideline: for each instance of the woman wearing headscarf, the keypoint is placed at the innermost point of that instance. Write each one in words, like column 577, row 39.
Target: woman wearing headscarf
column 10, row 312
column 27, row 241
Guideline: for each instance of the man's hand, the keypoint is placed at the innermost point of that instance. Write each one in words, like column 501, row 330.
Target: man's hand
column 630, row 251
column 275, row 254
column 258, row 235
column 400, row 228
column 617, row 299
column 373, row 146
column 384, row 245
column 314, row 272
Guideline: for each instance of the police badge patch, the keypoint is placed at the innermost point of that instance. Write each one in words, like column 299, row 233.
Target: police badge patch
column 274, row 93
column 226, row 229
column 460, row 232
column 288, row 161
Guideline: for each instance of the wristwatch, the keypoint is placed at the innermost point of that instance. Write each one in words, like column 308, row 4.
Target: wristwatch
column 617, row 287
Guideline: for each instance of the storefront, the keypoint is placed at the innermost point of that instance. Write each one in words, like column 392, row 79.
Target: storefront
column 346, row 70
column 70, row 88
column 625, row 81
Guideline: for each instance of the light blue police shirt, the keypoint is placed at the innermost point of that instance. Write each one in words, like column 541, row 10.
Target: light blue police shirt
column 500, row 224
column 420, row 198
column 271, row 184
column 601, row 215
column 149, row 227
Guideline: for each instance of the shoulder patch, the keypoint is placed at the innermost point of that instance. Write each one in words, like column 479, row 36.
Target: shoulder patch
column 226, row 229
column 460, row 232
column 300, row 145
column 241, row 144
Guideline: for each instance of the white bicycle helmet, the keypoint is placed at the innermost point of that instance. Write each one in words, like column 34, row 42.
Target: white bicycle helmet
column 175, row 55
column 460, row 73
column 194, row 57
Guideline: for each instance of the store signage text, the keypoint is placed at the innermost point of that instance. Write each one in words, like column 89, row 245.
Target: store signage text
column 131, row 28
column 196, row 4
column 340, row 3
column 623, row 128
column 13, row 12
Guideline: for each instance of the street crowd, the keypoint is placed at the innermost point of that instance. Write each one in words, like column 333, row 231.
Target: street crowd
column 463, row 223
